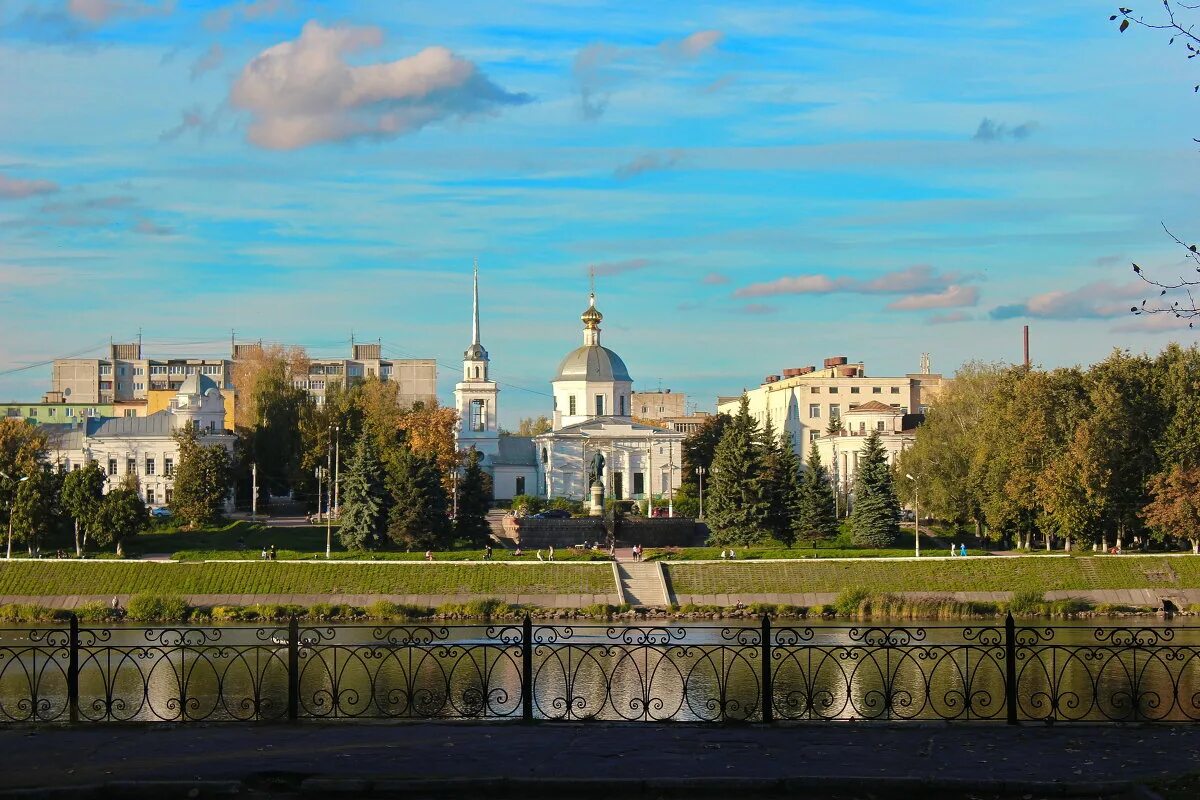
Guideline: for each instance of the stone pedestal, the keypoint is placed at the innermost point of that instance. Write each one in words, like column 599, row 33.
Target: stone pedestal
column 597, row 506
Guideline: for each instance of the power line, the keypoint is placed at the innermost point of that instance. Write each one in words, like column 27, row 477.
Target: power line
column 404, row 354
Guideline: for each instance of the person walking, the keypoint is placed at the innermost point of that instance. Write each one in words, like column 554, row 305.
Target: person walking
column 953, row 549
column 550, row 553
column 963, row 552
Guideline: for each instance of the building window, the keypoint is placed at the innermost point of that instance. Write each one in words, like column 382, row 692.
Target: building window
column 169, row 467
column 139, row 371
column 139, row 387
column 643, row 409
column 862, row 428
column 520, row 484
column 477, row 419
column 815, row 390
column 150, row 466
column 131, row 412
column 33, row 412
column 112, row 466
column 895, row 390
column 571, row 405
column 167, row 495
column 814, row 411
column 876, row 390
column 812, row 435
column 50, row 412
column 150, row 496
column 618, row 486
column 158, row 370
column 599, row 405
column 121, row 371
column 545, row 455
column 853, row 390
column 922, row 409
column 833, row 390
column 879, row 425
column 105, row 369
column 639, row 483
column 131, row 466
column 835, row 411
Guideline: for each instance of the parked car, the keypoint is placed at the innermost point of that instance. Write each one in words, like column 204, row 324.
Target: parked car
column 160, row 511
column 552, row 513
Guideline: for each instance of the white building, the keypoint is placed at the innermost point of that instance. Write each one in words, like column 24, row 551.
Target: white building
column 592, row 414
column 840, row 453
column 803, row 400
column 144, row 446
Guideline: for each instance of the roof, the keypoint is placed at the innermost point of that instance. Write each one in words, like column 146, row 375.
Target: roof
column 156, row 424
column 592, row 362
column 596, row 425
column 873, row 407
column 63, row 435
column 196, row 384
column 515, row 451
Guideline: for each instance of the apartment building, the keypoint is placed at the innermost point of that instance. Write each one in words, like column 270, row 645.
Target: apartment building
column 660, row 405
column 803, row 400
column 416, row 377
column 126, row 378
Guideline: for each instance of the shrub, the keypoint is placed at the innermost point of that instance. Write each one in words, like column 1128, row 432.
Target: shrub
column 225, row 614
column 94, row 611
column 852, row 602
column 1069, row 606
column 157, row 608
column 1026, row 602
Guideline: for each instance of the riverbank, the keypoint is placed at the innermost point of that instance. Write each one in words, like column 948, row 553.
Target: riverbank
column 431, row 759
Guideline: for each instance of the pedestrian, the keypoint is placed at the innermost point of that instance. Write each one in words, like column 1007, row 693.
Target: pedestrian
column 539, row 555
column 263, row 554
column 517, row 552
column 487, row 553
column 963, row 552
column 550, row 553
column 273, row 552
column 429, row 555
column 732, row 555
column 953, row 549
column 116, row 604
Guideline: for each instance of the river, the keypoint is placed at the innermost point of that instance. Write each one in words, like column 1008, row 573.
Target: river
column 1143, row 669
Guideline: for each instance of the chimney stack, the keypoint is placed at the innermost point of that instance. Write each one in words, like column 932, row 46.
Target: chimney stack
column 1026, row 348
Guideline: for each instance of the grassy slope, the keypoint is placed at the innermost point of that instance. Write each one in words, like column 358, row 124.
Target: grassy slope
column 50, row 578
column 945, row 575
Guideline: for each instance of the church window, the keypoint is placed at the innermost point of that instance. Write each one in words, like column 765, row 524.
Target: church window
column 599, row 405
column 571, row 405
column 520, row 484
column 622, row 400
column 545, row 455
column 477, row 373
column 477, row 415
column 639, row 483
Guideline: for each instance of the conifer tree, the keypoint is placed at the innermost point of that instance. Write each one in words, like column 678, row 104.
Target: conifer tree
column 418, row 519
column 474, row 497
column 781, row 474
column 363, row 498
column 817, row 518
column 739, row 501
column 875, row 518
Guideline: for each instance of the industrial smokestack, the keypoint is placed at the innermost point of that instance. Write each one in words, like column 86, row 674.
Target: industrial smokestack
column 1026, row 348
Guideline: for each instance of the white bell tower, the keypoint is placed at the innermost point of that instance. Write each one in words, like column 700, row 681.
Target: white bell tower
column 476, row 395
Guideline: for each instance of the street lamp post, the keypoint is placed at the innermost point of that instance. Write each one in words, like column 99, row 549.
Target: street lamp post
column 916, row 515
column 337, row 463
column 700, row 472
column 8, row 553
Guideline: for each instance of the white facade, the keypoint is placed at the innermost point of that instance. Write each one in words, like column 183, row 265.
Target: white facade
column 840, row 453
column 802, row 401
column 144, row 446
column 476, row 395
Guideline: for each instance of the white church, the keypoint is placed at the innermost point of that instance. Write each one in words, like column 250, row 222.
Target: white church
column 593, row 427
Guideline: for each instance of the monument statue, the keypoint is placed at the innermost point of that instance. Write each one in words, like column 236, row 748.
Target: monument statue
column 596, row 470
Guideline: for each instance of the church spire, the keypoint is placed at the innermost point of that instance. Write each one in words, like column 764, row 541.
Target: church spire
column 475, row 352
column 591, row 317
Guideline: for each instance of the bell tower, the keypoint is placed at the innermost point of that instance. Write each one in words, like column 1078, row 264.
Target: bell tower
column 475, row 396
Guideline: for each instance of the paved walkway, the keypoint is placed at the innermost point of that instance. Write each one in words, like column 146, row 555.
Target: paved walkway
column 914, row 760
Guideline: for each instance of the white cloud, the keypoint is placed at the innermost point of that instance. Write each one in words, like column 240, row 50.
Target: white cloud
column 17, row 189
column 97, row 12
column 918, row 279
column 951, row 297
column 799, row 284
column 303, row 92
column 1098, row 300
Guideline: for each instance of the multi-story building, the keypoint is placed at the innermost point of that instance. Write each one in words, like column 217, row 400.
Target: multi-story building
column 802, row 401
column 51, row 410
column 655, row 406
column 416, row 377
column 840, row 450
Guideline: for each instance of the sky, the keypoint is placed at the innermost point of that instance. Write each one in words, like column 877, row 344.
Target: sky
column 757, row 185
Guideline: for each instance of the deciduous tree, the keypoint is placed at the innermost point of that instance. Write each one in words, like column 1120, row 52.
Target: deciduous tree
column 202, row 478
column 82, row 493
column 121, row 516
column 1174, row 507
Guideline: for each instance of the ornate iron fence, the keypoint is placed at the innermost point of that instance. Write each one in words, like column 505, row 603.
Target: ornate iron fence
column 664, row 672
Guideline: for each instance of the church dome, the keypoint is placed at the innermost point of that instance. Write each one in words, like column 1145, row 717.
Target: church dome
column 592, row 363
column 475, row 353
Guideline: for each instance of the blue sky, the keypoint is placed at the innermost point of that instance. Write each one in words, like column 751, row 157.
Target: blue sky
column 759, row 185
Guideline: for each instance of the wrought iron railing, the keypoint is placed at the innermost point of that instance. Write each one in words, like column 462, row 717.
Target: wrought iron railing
column 759, row 673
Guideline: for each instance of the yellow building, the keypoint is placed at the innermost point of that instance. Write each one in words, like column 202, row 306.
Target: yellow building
column 159, row 400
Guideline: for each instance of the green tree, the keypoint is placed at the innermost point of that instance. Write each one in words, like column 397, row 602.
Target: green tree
column 817, row 512
column 531, row 426
column 875, row 518
column 121, row 515
column 782, row 483
column 700, row 448
column 35, row 507
column 474, row 499
column 202, row 479
column 418, row 518
column 739, row 500
column 363, row 498
column 22, row 452
column 82, row 493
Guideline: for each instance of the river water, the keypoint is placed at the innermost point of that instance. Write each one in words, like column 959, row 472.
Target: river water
column 1147, row 669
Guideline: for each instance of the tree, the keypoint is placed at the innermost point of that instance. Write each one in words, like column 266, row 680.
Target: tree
column 363, row 498
column 431, row 432
column 202, row 479
column 1174, row 508
column 82, row 493
column 1184, row 308
column 817, row 512
column 34, row 509
column 834, row 426
column 267, row 417
column 474, row 499
column 699, row 449
column 121, row 515
column 22, row 452
column 531, row 426
column 418, row 518
column 781, row 481
column 738, row 499
column 875, row 519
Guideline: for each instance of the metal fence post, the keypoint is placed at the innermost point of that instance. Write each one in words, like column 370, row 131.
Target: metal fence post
column 1010, row 667
column 768, row 711
column 73, row 671
column 527, row 670
column 293, row 669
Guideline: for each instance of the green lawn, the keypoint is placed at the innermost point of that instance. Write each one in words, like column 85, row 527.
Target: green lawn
column 56, row 578
column 943, row 575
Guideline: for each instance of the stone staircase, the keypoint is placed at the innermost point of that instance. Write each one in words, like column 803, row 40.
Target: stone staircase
column 641, row 584
column 1088, row 567
column 495, row 519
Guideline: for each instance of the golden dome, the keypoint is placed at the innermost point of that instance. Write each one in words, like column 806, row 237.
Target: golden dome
column 591, row 318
